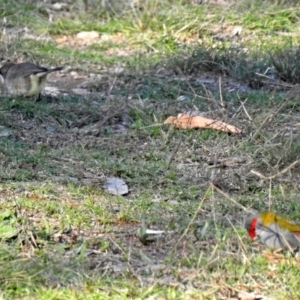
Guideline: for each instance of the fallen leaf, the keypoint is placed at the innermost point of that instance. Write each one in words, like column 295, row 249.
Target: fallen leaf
column 237, row 30
column 116, row 186
column 87, row 35
column 61, row 40
column 148, row 235
column 273, row 256
column 80, row 91
column 4, row 132
column 51, row 90
column 8, row 231
column 186, row 121
column 59, row 5
column 151, row 231
column 277, row 258
column 8, row 225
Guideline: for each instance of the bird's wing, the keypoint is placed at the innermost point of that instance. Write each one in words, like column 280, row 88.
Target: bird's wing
column 283, row 222
column 25, row 69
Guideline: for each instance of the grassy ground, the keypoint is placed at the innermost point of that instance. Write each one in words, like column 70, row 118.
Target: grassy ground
column 63, row 237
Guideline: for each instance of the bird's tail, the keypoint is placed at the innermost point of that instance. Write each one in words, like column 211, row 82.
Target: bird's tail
column 42, row 74
column 55, row 69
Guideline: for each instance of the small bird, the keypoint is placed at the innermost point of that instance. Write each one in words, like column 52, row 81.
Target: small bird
column 275, row 231
column 25, row 79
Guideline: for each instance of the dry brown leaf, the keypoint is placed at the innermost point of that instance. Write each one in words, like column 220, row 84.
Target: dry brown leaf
column 82, row 38
column 185, row 121
column 278, row 258
column 61, row 40
column 275, row 257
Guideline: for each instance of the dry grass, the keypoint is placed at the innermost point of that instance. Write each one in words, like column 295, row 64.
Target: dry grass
column 67, row 238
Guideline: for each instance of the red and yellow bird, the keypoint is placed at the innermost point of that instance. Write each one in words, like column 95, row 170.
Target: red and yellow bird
column 274, row 230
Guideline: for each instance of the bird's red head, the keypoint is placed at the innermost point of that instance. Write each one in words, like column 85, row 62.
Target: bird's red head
column 251, row 227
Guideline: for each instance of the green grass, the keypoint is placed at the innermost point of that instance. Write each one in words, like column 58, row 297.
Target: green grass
column 69, row 265
column 156, row 28
column 62, row 236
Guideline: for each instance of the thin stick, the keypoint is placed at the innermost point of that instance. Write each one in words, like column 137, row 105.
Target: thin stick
column 239, row 237
column 220, row 92
column 232, row 200
column 278, row 174
column 192, row 220
column 173, row 154
column 245, row 110
column 270, row 194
